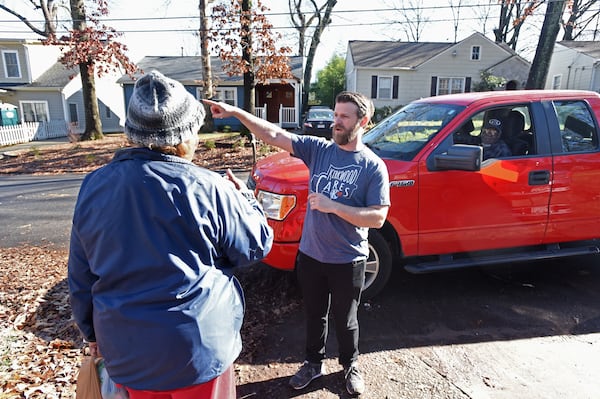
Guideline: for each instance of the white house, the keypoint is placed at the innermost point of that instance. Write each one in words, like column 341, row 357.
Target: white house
column 43, row 90
column 574, row 65
column 395, row 73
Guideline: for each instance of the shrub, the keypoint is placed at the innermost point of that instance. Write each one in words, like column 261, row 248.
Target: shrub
column 210, row 144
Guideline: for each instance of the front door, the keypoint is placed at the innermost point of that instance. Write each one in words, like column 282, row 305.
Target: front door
column 275, row 96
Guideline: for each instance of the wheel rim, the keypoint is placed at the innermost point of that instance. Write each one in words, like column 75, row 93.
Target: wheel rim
column 371, row 268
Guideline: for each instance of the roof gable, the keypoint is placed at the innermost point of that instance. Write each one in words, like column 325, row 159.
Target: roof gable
column 589, row 48
column 56, row 76
column 379, row 54
column 188, row 69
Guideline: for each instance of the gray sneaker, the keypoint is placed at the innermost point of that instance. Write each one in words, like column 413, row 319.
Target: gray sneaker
column 355, row 385
column 308, row 372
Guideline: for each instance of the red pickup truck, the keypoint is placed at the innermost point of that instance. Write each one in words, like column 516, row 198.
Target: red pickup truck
column 452, row 206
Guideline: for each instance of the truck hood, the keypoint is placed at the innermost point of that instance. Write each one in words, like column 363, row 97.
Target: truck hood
column 281, row 173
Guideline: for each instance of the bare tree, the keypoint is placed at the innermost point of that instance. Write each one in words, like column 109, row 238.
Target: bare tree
column 512, row 16
column 543, row 54
column 581, row 15
column 49, row 10
column 482, row 12
column 455, row 6
column 304, row 18
column 411, row 18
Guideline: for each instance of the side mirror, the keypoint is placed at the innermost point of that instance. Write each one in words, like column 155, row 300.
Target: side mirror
column 460, row 157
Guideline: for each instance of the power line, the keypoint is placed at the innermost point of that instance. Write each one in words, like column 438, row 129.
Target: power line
column 338, row 13
column 269, row 14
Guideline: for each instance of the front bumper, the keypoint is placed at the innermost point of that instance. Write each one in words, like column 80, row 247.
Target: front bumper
column 282, row 256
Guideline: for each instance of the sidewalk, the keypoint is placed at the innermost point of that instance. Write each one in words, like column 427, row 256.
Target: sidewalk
column 15, row 149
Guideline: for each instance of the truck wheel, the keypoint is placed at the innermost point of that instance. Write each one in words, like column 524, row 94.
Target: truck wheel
column 379, row 265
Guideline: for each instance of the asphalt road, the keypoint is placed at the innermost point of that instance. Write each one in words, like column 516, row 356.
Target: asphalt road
column 37, row 210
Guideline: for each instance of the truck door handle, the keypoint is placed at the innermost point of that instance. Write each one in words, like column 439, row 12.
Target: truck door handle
column 539, row 177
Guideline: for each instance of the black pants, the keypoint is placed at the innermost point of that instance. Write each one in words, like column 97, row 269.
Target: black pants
column 335, row 286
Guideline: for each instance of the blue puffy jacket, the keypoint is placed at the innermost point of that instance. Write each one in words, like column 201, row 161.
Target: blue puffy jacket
column 151, row 236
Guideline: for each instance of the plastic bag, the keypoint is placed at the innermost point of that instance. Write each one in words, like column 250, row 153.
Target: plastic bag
column 108, row 388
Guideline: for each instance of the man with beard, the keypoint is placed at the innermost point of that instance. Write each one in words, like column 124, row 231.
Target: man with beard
column 349, row 193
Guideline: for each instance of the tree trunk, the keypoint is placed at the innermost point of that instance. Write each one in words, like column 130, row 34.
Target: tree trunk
column 93, row 124
column 314, row 43
column 207, row 80
column 543, row 53
column 248, row 57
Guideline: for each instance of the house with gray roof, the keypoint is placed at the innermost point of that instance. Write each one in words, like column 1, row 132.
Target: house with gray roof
column 574, row 65
column 43, row 90
column 395, row 73
column 279, row 101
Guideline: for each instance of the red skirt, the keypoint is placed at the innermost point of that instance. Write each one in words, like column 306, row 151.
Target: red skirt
column 222, row 387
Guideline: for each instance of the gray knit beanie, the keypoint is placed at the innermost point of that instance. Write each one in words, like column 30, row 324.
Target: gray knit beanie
column 162, row 112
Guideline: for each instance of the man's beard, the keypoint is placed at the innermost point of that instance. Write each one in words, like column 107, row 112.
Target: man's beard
column 344, row 137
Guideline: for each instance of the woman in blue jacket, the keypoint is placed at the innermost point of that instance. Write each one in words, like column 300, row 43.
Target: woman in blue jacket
column 152, row 237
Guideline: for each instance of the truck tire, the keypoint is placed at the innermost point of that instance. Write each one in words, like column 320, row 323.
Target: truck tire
column 379, row 265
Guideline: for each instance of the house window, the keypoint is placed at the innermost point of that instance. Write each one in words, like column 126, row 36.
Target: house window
column 556, row 81
column 11, row 64
column 35, row 111
column 475, row 53
column 450, row 86
column 227, row 95
column 73, row 115
column 107, row 112
column 385, row 88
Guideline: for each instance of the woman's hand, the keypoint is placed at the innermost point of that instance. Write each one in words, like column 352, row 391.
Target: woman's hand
column 237, row 182
column 94, row 351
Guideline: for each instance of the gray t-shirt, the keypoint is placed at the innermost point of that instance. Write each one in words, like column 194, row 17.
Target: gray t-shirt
column 358, row 179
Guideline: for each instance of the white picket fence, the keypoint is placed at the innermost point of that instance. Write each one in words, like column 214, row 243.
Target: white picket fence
column 261, row 112
column 287, row 116
column 31, row 131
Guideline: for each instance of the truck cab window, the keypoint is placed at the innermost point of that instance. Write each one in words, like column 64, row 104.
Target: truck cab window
column 502, row 132
column 577, row 127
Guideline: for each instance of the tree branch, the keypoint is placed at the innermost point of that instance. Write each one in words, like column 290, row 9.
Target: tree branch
column 24, row 20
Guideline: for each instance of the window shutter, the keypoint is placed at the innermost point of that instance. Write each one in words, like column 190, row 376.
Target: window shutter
column 433, row 85
column 468, row 84
column 374, row 86
column 395, row 87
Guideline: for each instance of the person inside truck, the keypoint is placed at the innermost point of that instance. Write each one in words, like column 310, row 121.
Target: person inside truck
column 491, row 141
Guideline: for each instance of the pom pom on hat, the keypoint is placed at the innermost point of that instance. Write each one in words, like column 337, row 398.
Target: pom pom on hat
column 162, row 112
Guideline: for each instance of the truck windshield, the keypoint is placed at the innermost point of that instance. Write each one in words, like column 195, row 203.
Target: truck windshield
column 403, row 134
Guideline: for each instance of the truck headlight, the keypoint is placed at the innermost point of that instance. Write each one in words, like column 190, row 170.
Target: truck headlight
column 276, row 206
